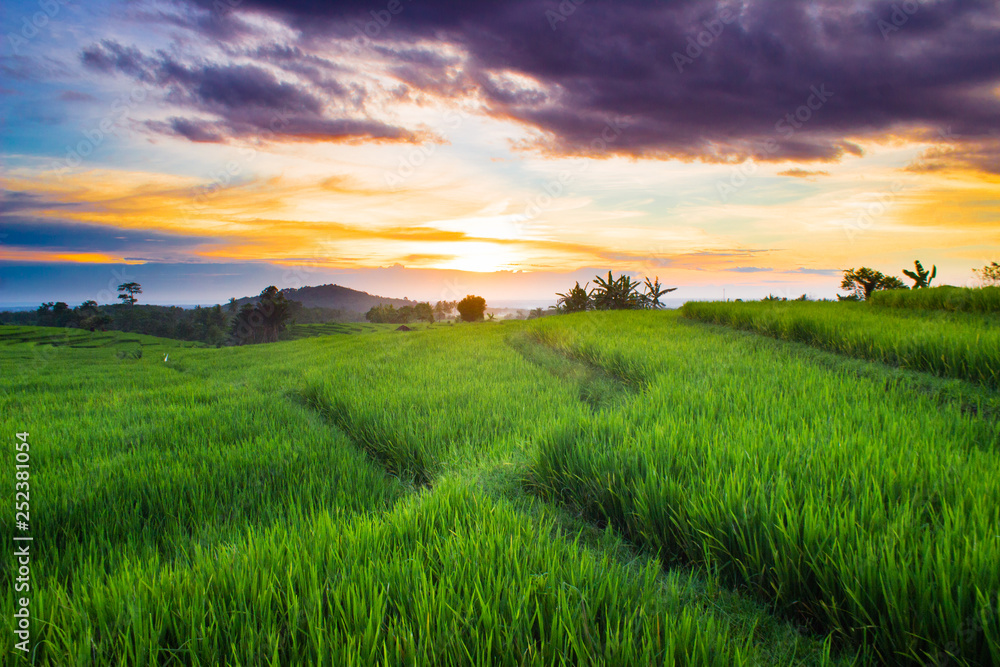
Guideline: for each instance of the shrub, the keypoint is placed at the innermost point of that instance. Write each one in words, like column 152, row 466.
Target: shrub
column 472, row 308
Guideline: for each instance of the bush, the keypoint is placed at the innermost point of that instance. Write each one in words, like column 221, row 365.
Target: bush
column 472, row 308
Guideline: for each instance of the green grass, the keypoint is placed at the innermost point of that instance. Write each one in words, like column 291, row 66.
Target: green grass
column 959, row 299
column 604, row 488
column 449, row 578
column 300, row 331
column 852, row 503
column 948, row 344
column 222, row 507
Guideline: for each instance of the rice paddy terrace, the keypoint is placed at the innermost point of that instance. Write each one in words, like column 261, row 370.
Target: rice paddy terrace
column 759, row 484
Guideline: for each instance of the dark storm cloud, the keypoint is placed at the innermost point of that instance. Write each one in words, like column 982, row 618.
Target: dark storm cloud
column 689, row 79
column 244, row 100
column 13, row 201
column 67, row 236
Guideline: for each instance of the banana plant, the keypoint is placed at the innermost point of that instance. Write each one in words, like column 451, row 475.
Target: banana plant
column 616, row 294
column 651, row 299
column 575, row 300
column 922, row 277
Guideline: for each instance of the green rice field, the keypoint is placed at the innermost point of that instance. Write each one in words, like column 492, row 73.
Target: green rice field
column 956, row 344
column 627, row 488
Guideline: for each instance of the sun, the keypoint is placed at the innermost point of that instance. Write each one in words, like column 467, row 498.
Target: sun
column 484, row 257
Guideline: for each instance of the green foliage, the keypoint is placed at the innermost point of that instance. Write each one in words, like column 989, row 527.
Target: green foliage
column 389, row 314
column 772, row 297
column 612, row 293
column 921, row 277
column 206, row 325
column 654, row 291
column 223, row 506
column 864, row 281
column 446, row 579
column 989, row 274
column 945, row 297
column 620, row 293
column 442, row 309
column 263, row 321
column 575, row 300
column 959, row 345
column 852, row 503
column 256, row 533
column 472, row 308
column 128, row 291
column 129, row 352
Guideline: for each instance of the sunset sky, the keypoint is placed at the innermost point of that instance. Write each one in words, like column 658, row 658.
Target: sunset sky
column 432, row 148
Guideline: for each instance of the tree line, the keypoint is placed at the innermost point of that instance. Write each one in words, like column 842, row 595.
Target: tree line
column 621, row 293
column 470, row 309
column 862, row 283
column 420, row 312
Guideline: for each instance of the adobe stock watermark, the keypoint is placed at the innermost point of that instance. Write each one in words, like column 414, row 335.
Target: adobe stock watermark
column 94, row 137
column 42, row 355
column 381, row 19
column 696, row 44
column 418, row 155
column 302, row 274
column 222, row 178
column 224, row 6
column 556, row 187
column 899, row 17
column 786, row 128
column 562, row 13
column 32, row 25
column 866, row 218
column 967, row 633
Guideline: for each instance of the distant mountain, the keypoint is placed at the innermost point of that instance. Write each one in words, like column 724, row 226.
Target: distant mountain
column 336, row 297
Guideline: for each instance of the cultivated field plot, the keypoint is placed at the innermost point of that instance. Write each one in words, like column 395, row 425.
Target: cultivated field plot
column 909, row 331
column 603, row 488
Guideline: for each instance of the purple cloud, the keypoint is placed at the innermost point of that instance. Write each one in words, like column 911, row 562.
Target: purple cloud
column 243, row 100
column 711, row 80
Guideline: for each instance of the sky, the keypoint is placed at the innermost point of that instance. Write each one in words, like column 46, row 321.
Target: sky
column 434, row 148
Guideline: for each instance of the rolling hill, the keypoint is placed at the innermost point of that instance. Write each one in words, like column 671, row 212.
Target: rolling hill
column 335, row 297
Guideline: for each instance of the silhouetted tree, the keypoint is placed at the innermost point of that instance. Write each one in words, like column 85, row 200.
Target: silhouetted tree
column 989, row 274
column 424, row 311
column 921, row 277
column 576, row 300
column 264, row 321
column 651, row 298
column 862, row 282
column 443, row 308
column 620, row 293
column 472, row 308
column 127, row 292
